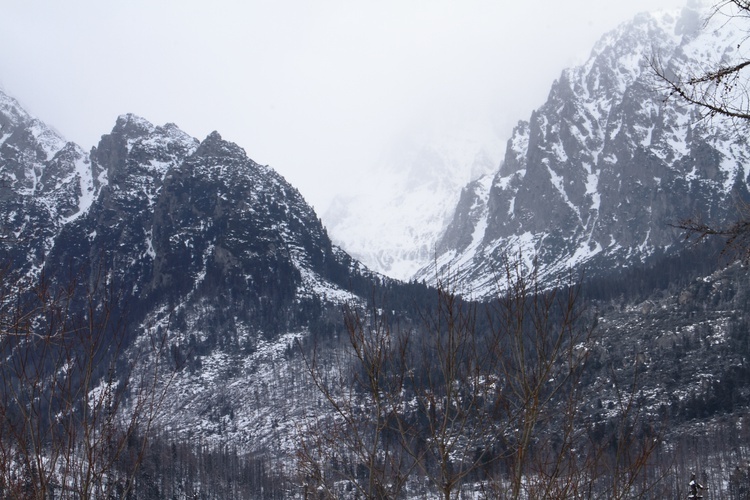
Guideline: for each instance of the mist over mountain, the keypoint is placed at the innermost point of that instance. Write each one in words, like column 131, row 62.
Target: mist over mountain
column 601, row 170
column 225, row 262
column 393, row 215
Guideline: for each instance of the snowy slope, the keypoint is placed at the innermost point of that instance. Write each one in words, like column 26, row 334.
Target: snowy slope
column 597, row 174
column 46, row 182
column 392, row 217
column 222, row 257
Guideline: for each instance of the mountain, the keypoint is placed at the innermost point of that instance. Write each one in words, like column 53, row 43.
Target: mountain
column 224, row 276
column 45, row 182
column 598, row 173
column 220, row 252
column 188, row 245
column 179, row 220
column 393, row 215
column 190, row 238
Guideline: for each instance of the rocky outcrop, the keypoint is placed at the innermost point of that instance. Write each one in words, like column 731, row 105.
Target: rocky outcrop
column 44, row 183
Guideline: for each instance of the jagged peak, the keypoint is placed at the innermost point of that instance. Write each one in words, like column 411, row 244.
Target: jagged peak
column 214, row 145
column 13, row 115
column 72, row 148
column 131, row 126
column 137, row 130
column 12, row 109
column 213, row 136
column 173, row 131
column 664, row 20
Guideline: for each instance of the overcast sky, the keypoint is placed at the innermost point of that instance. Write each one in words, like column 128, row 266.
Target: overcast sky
column 316, row 89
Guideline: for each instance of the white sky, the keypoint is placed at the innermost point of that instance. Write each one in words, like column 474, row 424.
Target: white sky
column 316, row 89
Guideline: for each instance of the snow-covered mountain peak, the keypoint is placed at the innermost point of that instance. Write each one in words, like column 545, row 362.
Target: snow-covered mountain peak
column 46, row 180
column 392, row 216
column 11, row 111
column 603, row 167
column 130, row 125
column 215, row 146
column 15, row 120
column 136, row 148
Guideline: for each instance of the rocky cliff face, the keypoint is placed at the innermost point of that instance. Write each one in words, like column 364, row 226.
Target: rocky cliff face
column 178, row 222
column 191, row 239
column 44, row 183
column 598, row 173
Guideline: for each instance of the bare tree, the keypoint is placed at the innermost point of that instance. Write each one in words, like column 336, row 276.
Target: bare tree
column 74, row 415
column 347, row 446
column 543, row 348
column 720, row 91
column 736, row 234
column 446, row 419
column 467, row 401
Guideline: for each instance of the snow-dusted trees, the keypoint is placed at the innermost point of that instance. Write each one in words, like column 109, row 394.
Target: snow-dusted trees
column 74, row 416
column 478, row 397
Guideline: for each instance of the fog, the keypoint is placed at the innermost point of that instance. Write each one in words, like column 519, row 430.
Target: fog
column 316, row 89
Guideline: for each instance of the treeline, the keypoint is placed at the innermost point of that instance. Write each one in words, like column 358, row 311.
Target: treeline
column 178, row 469
column 480, row 398
column 667, row 272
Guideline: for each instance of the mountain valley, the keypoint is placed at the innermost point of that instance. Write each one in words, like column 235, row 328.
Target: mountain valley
column 564, row 340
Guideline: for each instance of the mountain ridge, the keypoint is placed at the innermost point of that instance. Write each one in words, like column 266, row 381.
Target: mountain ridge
column 226, row 263
column 601, row 169
column 46, row 182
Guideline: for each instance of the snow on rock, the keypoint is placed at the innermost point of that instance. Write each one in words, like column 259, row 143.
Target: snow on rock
column 605, row 165
column 391, row 218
